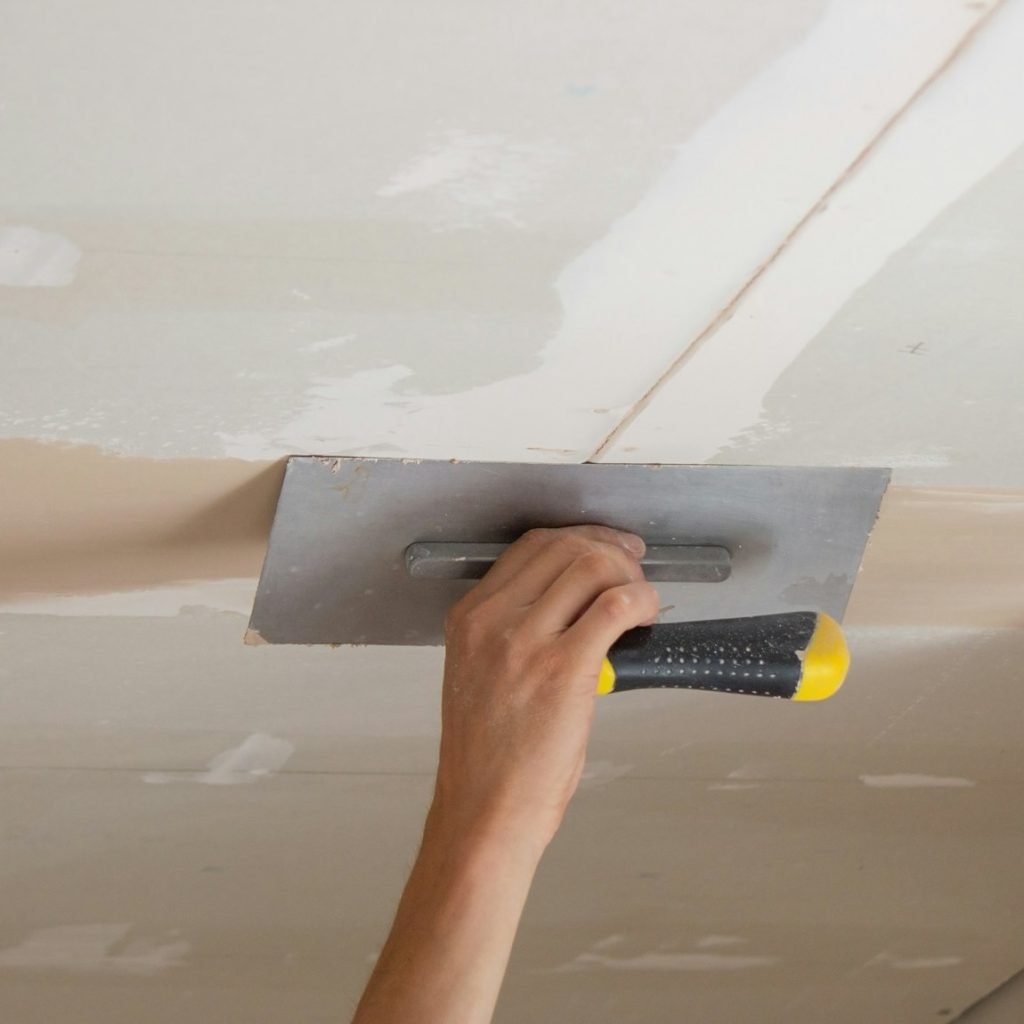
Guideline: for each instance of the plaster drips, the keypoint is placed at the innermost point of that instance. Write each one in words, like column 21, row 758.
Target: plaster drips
column 30, row 258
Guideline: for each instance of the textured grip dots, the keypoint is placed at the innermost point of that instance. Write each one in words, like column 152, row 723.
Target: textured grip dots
column 767, row 655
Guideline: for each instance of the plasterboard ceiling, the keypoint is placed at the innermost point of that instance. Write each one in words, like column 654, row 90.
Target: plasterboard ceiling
column 231, row 235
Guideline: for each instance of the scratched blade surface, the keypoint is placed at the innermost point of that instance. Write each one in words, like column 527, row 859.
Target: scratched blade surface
column 335, row 570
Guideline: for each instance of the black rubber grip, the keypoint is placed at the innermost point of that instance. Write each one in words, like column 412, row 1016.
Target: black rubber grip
column 755, row 655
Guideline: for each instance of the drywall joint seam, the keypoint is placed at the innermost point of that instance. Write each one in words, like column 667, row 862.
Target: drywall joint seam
column 727, row 311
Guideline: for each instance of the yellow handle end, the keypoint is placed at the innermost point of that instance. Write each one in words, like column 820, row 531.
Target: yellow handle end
column 826, row 661
column 605, row 678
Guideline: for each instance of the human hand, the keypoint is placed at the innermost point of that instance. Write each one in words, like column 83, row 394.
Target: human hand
column 524, row 649
column 523, row 652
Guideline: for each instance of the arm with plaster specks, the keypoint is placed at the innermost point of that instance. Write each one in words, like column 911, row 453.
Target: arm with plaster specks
column 523, row 652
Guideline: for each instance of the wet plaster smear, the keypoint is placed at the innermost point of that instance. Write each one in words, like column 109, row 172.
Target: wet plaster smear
column 884, row 333
column 922, row 369
column 383, row 307
column 259, row 317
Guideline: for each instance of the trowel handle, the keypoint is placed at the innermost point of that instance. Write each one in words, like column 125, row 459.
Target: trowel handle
column 793, row 655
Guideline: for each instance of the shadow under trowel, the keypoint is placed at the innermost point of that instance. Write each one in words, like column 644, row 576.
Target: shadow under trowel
column 84, row 520
column 242, row 515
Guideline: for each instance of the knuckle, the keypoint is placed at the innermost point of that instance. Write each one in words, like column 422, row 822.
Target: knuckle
column 536, row 537
column 454, row 617
column 616, row 602
column 607, row 535
column 607, row 563
column 629, row 565
column 573, row 544
column 466, row 620
column 507, row 652
column 592, row 530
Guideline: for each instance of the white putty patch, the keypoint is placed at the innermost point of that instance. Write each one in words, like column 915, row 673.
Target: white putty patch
column 915, row 963
column 913, row 781
column 91, row 948
column 257, row 757
column 336, row 414
column 719, row 941
column 923, row 459
column 30, row 258
column 481, row 174
column 674, row 749
column 230, row 595
column 678, row 255
column 960, row 129
column 741, row 778
column 599, row 773
column 327, row 344
column 668, row 962
column 660, row 960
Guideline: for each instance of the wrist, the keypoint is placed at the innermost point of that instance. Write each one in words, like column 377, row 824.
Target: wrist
column 482, row 837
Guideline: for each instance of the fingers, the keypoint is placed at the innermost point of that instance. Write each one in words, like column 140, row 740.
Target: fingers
column 585, row 578
column 608, row 617
column 532, row 583
column 530, row 565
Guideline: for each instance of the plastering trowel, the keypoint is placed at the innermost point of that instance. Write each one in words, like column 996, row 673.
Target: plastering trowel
column 754, row 564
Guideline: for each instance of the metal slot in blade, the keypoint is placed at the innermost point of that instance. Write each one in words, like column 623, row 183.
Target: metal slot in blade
column 667, row 563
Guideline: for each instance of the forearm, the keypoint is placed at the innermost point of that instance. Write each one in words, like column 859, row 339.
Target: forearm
column 523, row 651
column 446, row 955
